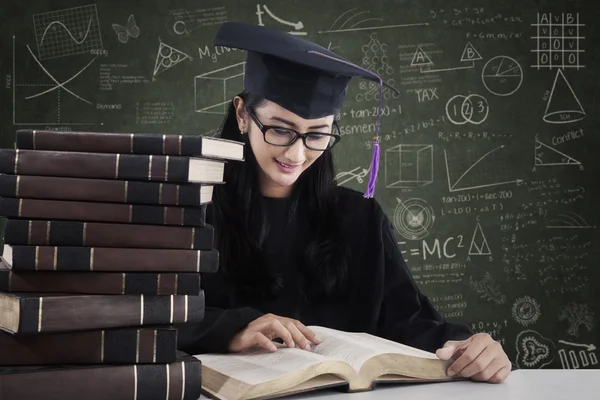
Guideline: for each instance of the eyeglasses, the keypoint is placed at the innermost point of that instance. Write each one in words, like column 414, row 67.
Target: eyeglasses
column 280, row 136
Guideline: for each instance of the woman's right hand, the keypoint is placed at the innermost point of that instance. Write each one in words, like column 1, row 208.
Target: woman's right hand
column 265, row 328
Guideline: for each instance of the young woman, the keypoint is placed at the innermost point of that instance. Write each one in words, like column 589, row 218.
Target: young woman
column 295, row 248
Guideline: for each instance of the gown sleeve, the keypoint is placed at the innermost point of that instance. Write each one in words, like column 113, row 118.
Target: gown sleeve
column 221, row 322
column 406, row 315
column 214, row 333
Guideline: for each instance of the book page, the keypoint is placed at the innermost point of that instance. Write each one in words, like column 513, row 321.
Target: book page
column 257, row 365
column 357, row 348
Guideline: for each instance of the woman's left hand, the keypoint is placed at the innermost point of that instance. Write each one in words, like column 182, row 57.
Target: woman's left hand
column 479, row 358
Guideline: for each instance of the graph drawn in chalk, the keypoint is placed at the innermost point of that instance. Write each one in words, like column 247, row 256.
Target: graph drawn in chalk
column 296, row 25
column 375, row 59
column 67, row 32
column 46, row 92
column 413, row 218
column 563, row 105
column 546, row 156
column 502, row 76
column 576, row 359
column 167, row 57
column 422, row 60
column 479, row 244
column 214, row 90
column 353, row 20
column 568, row 220
column 454, row 186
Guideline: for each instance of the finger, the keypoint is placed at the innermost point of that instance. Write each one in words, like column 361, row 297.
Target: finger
column 263, row 341
column 310, row 335
column 276, row 329
column 472, row 351
column 501, row 375
column 298, row 336
column 490, row 370
column 452, row 349
column 481, row 362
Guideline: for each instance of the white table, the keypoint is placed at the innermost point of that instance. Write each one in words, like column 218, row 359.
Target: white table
column 520, row 385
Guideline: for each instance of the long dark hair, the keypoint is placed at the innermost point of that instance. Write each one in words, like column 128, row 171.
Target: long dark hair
column 241, row 225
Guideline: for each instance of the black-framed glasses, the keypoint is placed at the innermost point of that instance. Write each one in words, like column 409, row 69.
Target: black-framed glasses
column 280, row 136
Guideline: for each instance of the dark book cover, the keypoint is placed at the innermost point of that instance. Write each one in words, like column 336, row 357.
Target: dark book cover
column 179, row 380
column 117, row 283
column 99, row 234
column 107, row 259
column 139, row 345
column 102, row 212
column 40, row 313
column 105, row 190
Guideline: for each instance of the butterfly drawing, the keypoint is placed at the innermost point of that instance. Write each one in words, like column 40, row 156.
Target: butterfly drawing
column 124, row 32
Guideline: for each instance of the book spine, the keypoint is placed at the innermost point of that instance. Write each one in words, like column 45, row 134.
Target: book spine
column 94, row 165
column 100, row 283
column 96, row 234
column 181, row 380
column 107, row 346
column 102, row 212
column 39, row 314
column 104, row 142
column 100, row 190
column 71, row 258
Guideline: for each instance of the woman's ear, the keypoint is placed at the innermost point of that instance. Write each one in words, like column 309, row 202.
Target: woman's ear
column 240, row 113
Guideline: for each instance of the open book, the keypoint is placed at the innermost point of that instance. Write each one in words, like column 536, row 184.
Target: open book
column 354, row 360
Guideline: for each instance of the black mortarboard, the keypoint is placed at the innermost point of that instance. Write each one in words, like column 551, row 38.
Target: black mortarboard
column 299, row 75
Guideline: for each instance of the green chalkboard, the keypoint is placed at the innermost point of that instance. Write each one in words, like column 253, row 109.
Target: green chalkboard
column 489, row 167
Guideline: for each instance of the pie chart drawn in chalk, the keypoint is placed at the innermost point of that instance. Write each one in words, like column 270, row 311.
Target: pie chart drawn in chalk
column 502, row 76
column 413, row 218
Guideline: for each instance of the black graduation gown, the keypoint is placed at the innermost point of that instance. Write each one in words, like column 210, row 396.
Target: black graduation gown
column 381, row 297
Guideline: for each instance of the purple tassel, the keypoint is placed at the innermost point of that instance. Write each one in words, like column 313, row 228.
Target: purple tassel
column 374, row 169
column 370, row 192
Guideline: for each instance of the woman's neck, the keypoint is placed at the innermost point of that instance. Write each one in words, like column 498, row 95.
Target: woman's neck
column 268, row 188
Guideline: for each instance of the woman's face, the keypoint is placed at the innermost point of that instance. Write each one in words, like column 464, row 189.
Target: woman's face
column 280, row 165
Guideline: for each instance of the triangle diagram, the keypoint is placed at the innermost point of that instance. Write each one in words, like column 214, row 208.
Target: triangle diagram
column 546, row 155
column 563, row 106
column 420, row 58
column 479, row 245
column 470, row 53
column 167, row 57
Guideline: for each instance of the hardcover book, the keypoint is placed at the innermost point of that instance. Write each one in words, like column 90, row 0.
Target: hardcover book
column 94, row 259
column 179, row 380
column 105, row 190
column 116, row 283
column 135, row 167
column 136, row 143
column 37, row 313
column 139, row 345
column 351, row 362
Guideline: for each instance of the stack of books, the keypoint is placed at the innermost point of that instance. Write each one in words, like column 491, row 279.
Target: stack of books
column 104, row 243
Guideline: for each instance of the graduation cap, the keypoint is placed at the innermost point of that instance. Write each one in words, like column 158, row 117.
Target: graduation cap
column 299, row 75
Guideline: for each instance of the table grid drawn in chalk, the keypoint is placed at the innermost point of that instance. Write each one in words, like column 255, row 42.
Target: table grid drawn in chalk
column 558, row 41
column 67, row 32
column 468, row 57
column 563, row 106
column 408, row 166
column 502, row 75
column 30, row 95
